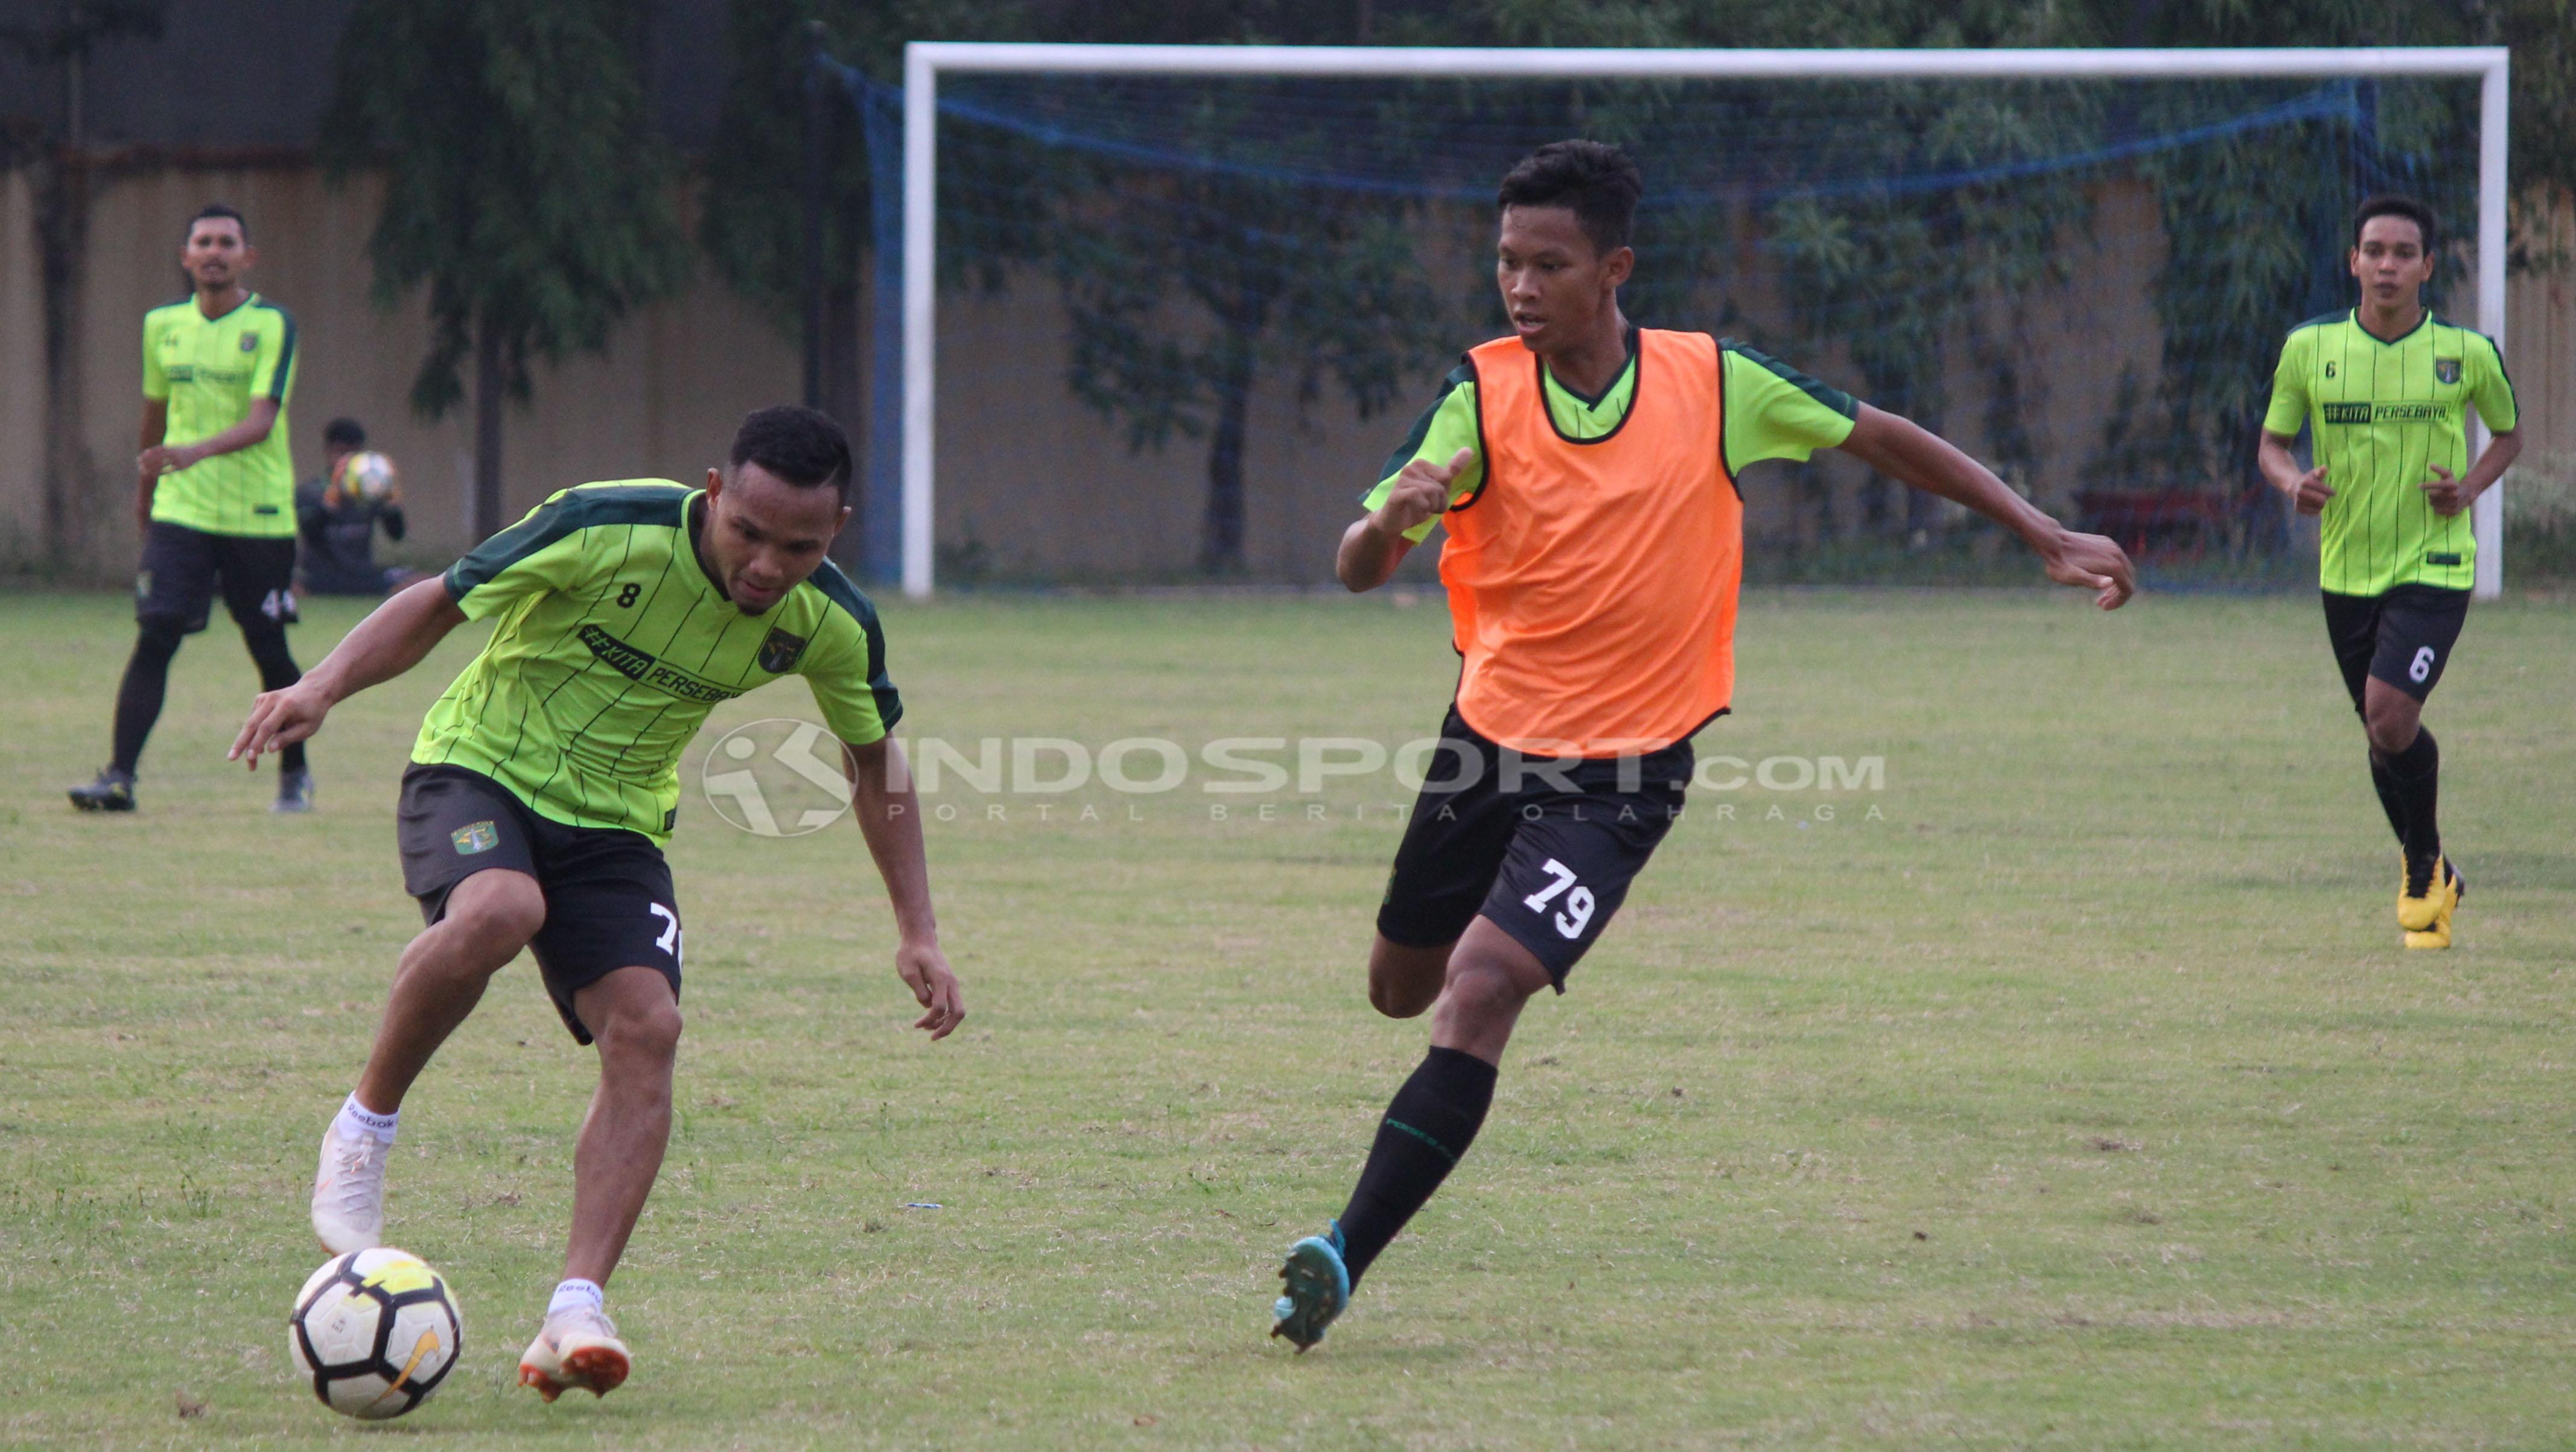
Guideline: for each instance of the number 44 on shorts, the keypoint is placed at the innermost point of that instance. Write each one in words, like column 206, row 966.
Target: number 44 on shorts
column 1578, row 903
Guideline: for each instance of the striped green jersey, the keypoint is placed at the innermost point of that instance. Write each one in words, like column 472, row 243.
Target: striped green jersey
column 209, row 371
column 613, row 644
column 2383, row 413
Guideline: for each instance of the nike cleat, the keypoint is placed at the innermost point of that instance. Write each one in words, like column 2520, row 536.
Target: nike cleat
column 577, row 1348
column 2424, row 888
column 294, row 792
column 349, row 1191
column 1318, row 1288
column 112, row 792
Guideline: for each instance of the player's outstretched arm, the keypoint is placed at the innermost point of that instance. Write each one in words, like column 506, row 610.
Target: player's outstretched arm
column 890, row 817
column 1375, row 544
column 1915, row 456
column 390, row 641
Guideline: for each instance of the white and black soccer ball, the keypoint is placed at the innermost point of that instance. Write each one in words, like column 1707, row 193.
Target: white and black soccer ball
column 375, row 1331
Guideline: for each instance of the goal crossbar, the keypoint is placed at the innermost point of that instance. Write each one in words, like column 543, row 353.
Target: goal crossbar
column 925, row 61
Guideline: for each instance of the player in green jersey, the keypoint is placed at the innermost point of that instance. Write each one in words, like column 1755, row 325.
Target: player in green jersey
column 547, row 777
column 2384, row 390
column 215, row 498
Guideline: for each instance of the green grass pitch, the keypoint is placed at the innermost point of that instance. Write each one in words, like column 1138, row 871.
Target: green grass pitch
column 2080, row 1096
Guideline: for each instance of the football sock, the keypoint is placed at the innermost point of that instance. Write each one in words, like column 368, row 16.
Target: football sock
column 2392, row 798
column 1427, row 1129
column 138, row 700
column 277, row 671
column 358, row 1118
column 2417, row 770
column 575, row 1294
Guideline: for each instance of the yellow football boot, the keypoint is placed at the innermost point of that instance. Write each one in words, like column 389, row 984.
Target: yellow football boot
column 2427, row 919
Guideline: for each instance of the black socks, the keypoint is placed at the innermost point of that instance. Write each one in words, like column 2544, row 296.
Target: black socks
column 2392, row 797
column 138, row 700
column 147, row 679
column 1426, row 1132
column 2416, row 772
column 277, row 671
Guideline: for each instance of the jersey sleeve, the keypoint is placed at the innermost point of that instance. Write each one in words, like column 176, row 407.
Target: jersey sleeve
column 1447, row 426
column 2492, row 389
column 541, row 553
column 156, row 384
column 272, row 373
column 846, row 671
column 1773, row 411
column 2288, row 412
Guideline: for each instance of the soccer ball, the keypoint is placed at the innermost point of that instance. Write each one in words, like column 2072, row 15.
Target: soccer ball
column 376, row 1331
column 368, row 476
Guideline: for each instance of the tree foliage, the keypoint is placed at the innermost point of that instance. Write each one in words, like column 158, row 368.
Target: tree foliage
column 525, row 188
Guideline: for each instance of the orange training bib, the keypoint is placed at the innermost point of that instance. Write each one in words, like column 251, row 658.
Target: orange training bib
column 1592, row 583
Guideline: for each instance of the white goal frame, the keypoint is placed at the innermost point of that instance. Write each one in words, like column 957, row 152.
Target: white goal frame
column 925, row 60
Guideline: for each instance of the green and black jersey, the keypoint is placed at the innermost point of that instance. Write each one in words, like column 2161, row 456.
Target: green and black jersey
column 612, row 646
column 1773, row 411
column 2384, row 412
column 209, row 371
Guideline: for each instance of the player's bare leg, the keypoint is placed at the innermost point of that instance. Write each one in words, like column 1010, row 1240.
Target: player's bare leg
column 1489, row 976
column 1403, row 981
column 634, row 1019
column 490, row 916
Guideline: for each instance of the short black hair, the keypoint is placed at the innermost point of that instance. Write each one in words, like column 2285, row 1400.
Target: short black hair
column 1597, row 181
column 2393, row 204
column 800, row 445
column 217, row 209
column 344, row 433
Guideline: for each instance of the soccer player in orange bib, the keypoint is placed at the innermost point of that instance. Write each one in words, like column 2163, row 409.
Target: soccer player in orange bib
column 1585, row 469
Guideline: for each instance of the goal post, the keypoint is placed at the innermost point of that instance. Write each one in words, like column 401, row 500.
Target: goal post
column 925, row 62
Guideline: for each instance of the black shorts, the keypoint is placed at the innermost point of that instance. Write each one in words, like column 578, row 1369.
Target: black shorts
column 2403, row 637
column 1545, row 848
column 181, row 567
column 609, row 903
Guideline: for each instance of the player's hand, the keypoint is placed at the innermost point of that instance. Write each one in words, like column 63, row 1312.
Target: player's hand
column 925, row 972
column 2093, row 562
column 280, row 718
column 162, row 459
column 2311, row 494
column 1420, row 492
column 2446, row 494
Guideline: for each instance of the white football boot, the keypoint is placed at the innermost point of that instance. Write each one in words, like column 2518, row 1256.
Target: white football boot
column 349, row 1191
column 575, row 1348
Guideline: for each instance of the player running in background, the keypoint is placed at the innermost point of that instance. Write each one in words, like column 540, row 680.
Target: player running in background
column 216, row 495
column 2384, row 388
column 1586, row 470
column 546, row 780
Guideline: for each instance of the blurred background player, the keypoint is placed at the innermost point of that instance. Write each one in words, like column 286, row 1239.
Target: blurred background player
column 215, row 497
column 546, row 779
column 2384, row 388
column 1586, row 471
column 338, row 518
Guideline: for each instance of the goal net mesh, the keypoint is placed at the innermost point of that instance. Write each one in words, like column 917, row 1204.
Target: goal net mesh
column 1183, row 321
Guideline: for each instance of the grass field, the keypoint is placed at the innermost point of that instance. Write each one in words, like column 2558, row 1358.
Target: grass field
column 2069, row 1090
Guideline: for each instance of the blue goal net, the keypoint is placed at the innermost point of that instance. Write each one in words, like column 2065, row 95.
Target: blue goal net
column 1183, row 321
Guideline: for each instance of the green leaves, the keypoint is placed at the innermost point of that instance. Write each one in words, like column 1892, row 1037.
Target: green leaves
column 524, row 187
